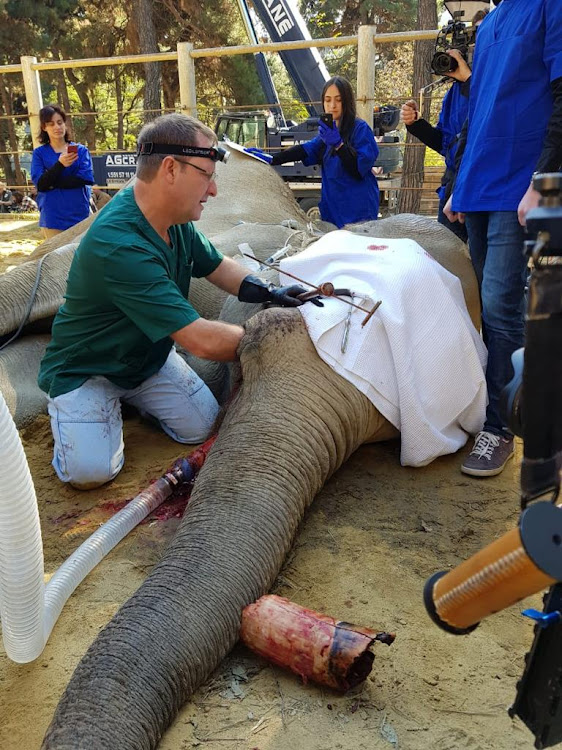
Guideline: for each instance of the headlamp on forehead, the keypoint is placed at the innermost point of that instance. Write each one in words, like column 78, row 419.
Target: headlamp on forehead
column 215, row 153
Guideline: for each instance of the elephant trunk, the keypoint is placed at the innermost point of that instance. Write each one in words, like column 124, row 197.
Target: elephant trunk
column 292, row 424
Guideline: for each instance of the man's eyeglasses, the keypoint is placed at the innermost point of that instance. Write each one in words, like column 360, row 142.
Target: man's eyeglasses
column 211, row 176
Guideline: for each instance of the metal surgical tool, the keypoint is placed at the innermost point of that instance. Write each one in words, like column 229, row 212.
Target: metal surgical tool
column 346, row 327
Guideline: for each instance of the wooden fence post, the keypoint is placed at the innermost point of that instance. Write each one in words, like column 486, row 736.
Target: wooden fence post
column 33, row 96
column 366, row 53
column 186, row 75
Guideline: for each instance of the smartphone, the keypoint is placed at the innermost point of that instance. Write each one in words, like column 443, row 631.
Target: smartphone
column 327, row 119
column 72, row 148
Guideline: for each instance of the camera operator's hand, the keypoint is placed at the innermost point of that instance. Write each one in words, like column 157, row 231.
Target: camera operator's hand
column 409, row 112
column 528, row 201
column 452, row 215
column 463, row 72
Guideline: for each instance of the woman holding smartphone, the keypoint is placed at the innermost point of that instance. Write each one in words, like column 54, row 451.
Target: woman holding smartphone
column 62, row 173
column 346, row 149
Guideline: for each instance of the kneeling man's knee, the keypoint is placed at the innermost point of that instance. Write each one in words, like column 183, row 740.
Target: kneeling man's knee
column 197, row 426
column 85, row 472
column 85, row 454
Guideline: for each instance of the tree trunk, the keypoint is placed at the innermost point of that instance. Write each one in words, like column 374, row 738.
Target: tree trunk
column 412, row 169
column 62, row 87
column 15, row 174
column 5, row 163
column 170, row 89
column 62, row 91
column 87, row 106
column 120, row 104
column 148, row 44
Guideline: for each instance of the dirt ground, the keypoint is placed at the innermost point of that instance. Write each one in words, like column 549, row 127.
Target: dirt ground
column 18, row 238
column 363, row 553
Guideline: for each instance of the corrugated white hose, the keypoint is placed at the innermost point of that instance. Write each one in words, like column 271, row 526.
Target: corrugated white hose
column 28, row 608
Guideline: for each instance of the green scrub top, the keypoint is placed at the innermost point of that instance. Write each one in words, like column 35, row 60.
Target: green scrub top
column 126, row 293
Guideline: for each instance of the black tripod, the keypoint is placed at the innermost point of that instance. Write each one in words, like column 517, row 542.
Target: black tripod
column 535, row 412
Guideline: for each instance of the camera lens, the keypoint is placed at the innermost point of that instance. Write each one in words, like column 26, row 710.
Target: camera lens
column 442, row 63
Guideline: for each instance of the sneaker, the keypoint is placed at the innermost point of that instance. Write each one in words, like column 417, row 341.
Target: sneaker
column 489, row 455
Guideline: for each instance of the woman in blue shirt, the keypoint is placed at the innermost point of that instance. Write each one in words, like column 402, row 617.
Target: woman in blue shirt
column 62, row 172
column 347, row 152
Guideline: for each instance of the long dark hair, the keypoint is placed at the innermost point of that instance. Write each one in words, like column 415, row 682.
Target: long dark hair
column 46, row 114
column 348, row 110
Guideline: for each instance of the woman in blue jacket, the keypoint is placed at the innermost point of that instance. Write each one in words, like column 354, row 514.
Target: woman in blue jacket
column 62, row 173
column 347, row 152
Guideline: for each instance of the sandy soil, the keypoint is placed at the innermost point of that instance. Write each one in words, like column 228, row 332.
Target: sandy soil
column 372, row 537
column 18, row 238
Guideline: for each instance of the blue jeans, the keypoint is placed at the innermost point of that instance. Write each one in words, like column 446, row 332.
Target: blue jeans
column 495, row 240
column 88, row 428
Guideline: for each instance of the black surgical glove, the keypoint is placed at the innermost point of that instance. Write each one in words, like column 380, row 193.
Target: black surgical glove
column 255, row 290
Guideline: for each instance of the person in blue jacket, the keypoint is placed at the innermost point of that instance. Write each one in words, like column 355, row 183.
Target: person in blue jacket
column 61, row 170
column 347, row 152
column 514, row 129
column 443, row 138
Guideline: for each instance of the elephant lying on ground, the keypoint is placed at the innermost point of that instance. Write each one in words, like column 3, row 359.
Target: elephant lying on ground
column 20, row 363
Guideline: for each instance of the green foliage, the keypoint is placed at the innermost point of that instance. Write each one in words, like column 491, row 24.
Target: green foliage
column 327, row 18
column 343, row 18
column 44, row 14
column 75, row 29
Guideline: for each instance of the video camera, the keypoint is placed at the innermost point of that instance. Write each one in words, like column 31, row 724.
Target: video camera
column 527, row 559
column 455, row 35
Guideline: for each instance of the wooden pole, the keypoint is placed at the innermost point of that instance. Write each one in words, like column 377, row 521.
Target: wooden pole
column 366, row 53
column 33, row 96
column 186, row 75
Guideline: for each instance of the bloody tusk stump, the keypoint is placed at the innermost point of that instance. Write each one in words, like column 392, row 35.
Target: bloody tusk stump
column 312, row 645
